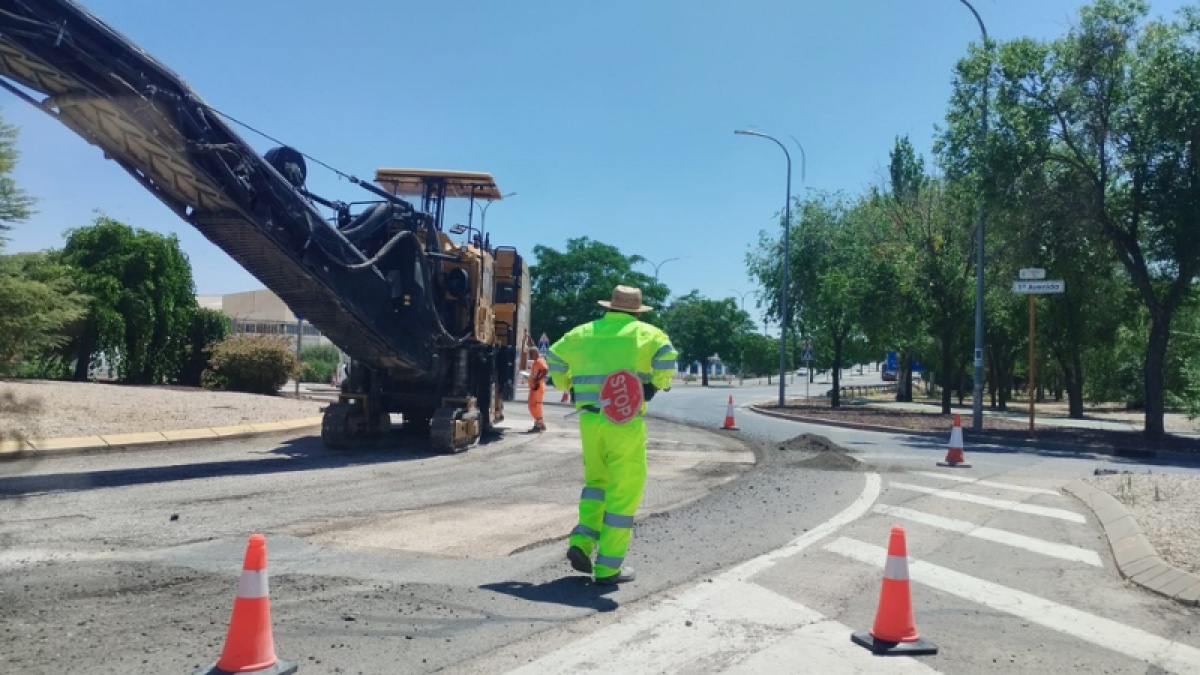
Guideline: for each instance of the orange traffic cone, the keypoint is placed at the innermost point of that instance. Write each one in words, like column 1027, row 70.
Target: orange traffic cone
column 729, row 424
column 954, row 456
column 250, row 644
column 895, row 630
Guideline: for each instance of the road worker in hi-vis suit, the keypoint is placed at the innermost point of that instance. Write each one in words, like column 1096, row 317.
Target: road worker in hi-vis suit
column 612, row 366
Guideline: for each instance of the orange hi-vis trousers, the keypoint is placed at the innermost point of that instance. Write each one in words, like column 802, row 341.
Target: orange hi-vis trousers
column 535, row 402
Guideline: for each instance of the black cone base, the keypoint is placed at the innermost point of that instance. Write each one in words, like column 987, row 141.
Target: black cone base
column 955, row 465
column 281, row 667
column 919, row 648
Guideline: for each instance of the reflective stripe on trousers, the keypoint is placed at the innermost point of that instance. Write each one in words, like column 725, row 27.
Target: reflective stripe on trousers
column 614, row 466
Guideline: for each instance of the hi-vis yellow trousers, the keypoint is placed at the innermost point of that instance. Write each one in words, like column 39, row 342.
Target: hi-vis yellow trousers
column 614, row 477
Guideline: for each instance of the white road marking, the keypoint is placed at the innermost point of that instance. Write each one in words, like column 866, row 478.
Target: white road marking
column 824, row 647
column 987, row 483
column 730, row 618
column 709, row 627
column 1049, row 548
column 1133, row 642
column 851, row 513
column 1007, row 505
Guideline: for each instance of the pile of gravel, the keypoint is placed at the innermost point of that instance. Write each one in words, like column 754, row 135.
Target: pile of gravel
column 825, row 454
column 56, row 409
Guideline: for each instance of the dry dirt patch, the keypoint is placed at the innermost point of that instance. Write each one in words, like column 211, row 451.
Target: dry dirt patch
column 90, row 408
column 1166, row 507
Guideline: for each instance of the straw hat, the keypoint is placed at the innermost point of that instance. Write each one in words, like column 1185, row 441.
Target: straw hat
column 626, row 299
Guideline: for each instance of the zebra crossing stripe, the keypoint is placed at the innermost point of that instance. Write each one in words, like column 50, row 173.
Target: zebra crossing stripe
column 1033, row 544
column 1005, row 504
column 987, row 483
column 1172, row 657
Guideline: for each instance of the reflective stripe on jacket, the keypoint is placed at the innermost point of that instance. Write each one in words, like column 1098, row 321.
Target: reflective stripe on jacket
column 584, row 357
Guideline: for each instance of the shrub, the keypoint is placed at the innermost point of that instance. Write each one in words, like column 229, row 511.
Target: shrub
column 207, row 327
column 323, row 353
column 317, row 371
column 257, row 364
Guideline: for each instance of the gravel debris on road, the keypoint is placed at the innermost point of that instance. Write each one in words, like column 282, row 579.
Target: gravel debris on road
column 1166, row 507
column 91, row 408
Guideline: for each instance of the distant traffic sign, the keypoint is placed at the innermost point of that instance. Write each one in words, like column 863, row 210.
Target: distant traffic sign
column 1039, row 287
column 1033, row 274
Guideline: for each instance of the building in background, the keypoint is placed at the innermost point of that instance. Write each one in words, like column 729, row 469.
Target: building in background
column 264, row 313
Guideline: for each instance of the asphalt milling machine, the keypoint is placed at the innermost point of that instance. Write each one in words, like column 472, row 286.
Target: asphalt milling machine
column 432, row 326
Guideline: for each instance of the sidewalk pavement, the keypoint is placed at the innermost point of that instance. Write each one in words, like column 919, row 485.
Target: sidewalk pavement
column 41, row 447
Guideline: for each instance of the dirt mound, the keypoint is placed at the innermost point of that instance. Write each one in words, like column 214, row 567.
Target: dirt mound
column 830, row 461
column 811, row 443
column 825, row 454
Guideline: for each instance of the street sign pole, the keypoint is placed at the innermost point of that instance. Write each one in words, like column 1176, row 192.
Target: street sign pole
column 1032, row 361
column 1033, row 282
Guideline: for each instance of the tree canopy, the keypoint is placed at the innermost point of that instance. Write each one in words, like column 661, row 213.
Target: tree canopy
column 568, row 284
column 702, row 327
column 142, row 299
column 16, row 205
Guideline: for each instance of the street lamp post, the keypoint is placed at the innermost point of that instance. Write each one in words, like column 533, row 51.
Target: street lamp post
column 659, row 265
column 783, row 297
column 742, row 366
column 977, row 408
column 483, row 213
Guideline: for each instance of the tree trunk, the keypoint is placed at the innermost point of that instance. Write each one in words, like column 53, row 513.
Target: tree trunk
column 993, row 378
column 86, row 343
column 836, row 397
column 946, row 370
column 962, row 376
column 703, row 376
column 1073, row 374
column 1156, row 356
column 904, row 378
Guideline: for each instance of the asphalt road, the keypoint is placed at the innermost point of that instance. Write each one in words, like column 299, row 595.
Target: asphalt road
column 396, row 561
column 1008, row 573
column 390, row 560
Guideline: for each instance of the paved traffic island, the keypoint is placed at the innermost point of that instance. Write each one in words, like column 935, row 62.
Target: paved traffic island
column 1152, row 525
column 996, row 430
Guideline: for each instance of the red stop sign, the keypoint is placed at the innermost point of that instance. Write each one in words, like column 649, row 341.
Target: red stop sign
column 621, row 396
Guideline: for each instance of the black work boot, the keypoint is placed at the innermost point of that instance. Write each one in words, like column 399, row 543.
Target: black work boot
column 580, row 561
column 625, row 575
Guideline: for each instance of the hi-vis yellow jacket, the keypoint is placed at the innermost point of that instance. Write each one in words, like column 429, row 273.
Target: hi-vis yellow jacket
column 584, row 357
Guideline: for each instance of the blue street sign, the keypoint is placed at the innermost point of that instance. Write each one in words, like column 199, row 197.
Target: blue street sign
column 893, row 363
column 806, row 355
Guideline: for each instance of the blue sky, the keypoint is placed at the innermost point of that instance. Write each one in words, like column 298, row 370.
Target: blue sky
column 611, row 120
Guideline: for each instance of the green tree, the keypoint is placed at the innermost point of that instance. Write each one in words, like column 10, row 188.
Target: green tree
column 932, row 246
column 15, row 204
column 38, row 304
column 1116, row 104
column 142, row 299
column 760, row 354
column 207, row 327
column 833, row 276
column 566, row 285
column 701, row 327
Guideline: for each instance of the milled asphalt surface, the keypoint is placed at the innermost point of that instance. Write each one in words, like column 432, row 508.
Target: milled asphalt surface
column 389, row 561
column 382, row 560
column 973, row 637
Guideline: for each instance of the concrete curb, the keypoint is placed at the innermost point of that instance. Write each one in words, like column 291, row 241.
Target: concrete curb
column 1033, row 444
column 1136, row 558
column 85, row 445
